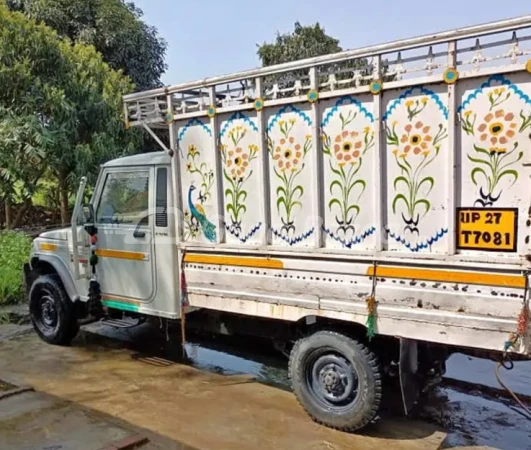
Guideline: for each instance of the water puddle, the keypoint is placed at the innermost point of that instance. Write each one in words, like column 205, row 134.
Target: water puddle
column 481, row 371
column 217, row 354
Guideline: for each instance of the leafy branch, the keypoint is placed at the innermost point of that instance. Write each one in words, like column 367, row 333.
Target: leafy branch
column 415, row 107
column 191, row 226
column 526, row 121
column 345, row 180
column 496, row 97
column 236, row 161
column 468, row 122
column 194, row 167
column 494, row 166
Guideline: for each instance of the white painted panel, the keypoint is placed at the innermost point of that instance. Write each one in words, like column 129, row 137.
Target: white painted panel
column 416, row 123
column 291, row 170
column 198, row 180
column 495, row 141
column 348, row 144
column 239, row 147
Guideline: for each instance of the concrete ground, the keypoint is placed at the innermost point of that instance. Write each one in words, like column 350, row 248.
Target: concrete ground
column 32, row 420
column 188, row 407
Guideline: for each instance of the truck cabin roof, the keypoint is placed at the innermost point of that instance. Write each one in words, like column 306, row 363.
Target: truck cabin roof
column 143, row 159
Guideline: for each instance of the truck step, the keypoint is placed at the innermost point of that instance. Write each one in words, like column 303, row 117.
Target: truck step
column 127, row 322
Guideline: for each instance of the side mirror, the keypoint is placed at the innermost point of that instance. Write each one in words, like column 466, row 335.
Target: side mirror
column 88, row 214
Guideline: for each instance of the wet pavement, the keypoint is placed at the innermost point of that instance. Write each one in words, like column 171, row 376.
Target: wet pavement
column 469, row 405
column 215, row 402
column 233, row 393
column 34, row 420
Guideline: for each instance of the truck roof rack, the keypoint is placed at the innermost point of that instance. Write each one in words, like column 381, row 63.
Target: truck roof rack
column 481, row 50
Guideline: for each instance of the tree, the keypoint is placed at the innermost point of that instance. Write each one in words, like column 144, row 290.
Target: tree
column 114, row 27
column 307, row 42
column 303, row 42
column 23, row 144
column 60, row 109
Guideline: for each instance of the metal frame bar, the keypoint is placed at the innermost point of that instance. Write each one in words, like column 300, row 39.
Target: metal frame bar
column 220, row 200
column 426, row 80
column 375, row 50
column 265, row 205
column 453, row 151
column 379, row 152
column 156, row 138
column 317, row 176
column 450, row 38
column 75, row 214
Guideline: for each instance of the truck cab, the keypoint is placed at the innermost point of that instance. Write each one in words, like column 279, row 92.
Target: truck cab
column 136, row 257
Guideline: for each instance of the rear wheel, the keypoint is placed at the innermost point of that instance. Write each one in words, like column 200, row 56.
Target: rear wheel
column 52, row 313
column 336, row 380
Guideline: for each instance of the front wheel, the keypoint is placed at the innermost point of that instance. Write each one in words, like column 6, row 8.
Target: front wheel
column 52, row 313
column 336, row 380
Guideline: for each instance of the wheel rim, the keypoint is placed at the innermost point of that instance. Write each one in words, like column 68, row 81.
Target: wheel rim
column 46, row 316
column 332, row 380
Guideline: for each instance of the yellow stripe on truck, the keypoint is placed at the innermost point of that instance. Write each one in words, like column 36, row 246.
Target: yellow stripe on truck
column 46, row 246
column 449, row 276
column 264, row 263
column 120, row 254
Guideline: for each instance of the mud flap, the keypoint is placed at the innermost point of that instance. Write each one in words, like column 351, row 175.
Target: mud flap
column 408, row 367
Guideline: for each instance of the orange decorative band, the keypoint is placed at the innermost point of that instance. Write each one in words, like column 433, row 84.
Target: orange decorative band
column 449, row 276
column 121, row 254
column 240, row 261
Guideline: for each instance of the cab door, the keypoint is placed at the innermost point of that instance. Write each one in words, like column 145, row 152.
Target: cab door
column 125, row 248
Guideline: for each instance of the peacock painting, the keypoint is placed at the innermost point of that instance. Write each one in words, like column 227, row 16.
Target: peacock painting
column 198, row 213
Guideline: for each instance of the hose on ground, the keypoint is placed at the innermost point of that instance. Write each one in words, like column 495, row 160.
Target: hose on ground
column 508, row 365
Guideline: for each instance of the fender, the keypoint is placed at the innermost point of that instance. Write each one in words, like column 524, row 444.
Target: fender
column 61, row 269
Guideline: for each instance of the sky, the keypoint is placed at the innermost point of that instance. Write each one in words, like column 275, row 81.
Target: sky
column 215, row 37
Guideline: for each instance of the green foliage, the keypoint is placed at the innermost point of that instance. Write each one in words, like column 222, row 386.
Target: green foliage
column 14, row 251
column 309, row 42
column 303, row 42
column 24, row 141
column 114, row 27
column 60, row 108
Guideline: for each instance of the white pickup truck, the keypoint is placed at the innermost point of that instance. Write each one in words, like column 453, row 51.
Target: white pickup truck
column 369, row 209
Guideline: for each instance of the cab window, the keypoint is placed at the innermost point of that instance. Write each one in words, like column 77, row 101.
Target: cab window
column 125, row 198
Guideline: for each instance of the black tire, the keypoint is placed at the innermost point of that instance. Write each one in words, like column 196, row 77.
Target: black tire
column 52, row 313
column 336, row 379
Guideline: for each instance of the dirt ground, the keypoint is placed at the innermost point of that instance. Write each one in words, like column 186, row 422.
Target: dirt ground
column 191, row 407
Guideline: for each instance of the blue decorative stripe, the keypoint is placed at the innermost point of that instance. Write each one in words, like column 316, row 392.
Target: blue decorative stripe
column 409, row 93
column 191, row 123
column 419, row 246
column 494, row 78
column 293, row 240
column 353, row 241
column 243, row 239
column 238, row 115
column 288, row 108
column 341, row 101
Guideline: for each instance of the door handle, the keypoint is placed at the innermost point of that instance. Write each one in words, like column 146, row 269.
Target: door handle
column 139, row 234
